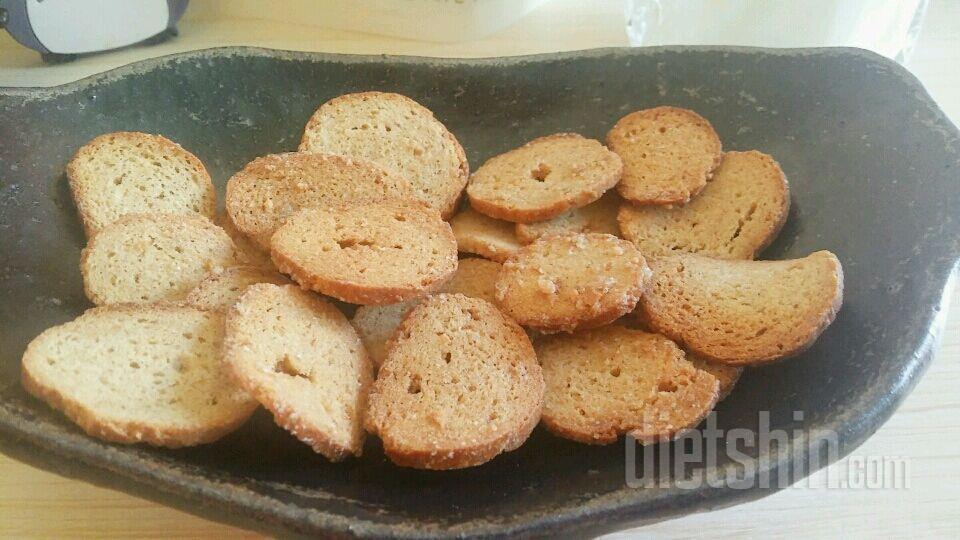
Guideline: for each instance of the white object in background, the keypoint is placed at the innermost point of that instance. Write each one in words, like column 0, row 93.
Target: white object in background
column 888, row 27
column 425, row 20
column 71, row 26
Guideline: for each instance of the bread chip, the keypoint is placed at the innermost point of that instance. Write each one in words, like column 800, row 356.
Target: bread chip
column 398, row 134
column 596, row 217
column 460, row 385
column 483, row 235
column 743, row 312
column 272, row 188
column 737, row 215
column 247, row 250
column 610, row 381
column 376, row 324
column 298, row 356
column 143, row 258
column 138, row 374
column 726, row 375
column 544, row 178
column 379, row 253
column 123, row 173
column 668, row 154
column 222, row 289
column 564, row 282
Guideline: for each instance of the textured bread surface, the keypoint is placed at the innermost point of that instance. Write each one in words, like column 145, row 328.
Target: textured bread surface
column 123, row 173
column 460, row 384
column 248, row 251
column 222, row 289
column 378, row 253
column 544, row 178
column 726, row 374
column 398, row 134
column 272, row 188
column 132, row 374
column 376, row 324
column 482, row 235
column 564, row 282
column 298, row 356
column 143, row 258
column 596, row 217
column 737, row 215
column 743, row 312
column 610, row 381
column 668, row 154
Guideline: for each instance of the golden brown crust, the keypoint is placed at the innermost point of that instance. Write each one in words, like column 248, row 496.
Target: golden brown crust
column 126, row 432
column 544, row 178
column 606, row 382
column 488, row 370
column 744, row 312
column 561, row 283
column 380, row 253
column 668, row 154
column 83, row 194
column 726, row 374
column 446, row 195
column 736, row 216
column 483, row 235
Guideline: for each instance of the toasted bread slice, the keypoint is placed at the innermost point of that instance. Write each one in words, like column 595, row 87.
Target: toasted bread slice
column 668, row 154
column 564, row 282
column 272, row 188
column 610, row 381
column 138, row 374
column 298, row 355
column 726, row 374
column 743, row 312
column 378, row 253
column 398, row 134
column 474, row 278
column 221, row 289
column 247, row 250
column 737, row 215
column 544, row 178
column 144, row 258
column 460, row 385
column 483, row 235
column 376, row 324
column 123, row 173
column 596, row 217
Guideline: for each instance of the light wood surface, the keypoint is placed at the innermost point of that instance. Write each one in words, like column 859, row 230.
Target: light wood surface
column 925, row 429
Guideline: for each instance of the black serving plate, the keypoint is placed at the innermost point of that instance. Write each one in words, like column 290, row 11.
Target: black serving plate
column 873, row 167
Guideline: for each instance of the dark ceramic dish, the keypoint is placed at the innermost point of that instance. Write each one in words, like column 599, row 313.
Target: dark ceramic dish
column 873, row 167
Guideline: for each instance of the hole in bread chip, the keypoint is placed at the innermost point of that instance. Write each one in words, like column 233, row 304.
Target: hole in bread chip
column 414, row 387
column 615, row 372
column 447, row 357
column 348, row 243
column 286, row 367
column 667, row 386
column 399, row 217
column 541, row 172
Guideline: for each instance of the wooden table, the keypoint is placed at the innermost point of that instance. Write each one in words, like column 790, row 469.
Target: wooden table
column 925, row 429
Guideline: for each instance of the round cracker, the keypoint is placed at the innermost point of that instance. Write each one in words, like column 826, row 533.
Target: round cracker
column 544, row 178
